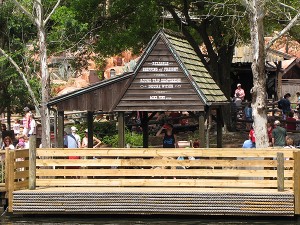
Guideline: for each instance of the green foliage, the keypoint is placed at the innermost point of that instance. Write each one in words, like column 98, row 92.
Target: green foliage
column 101, row 129
column 133, row 139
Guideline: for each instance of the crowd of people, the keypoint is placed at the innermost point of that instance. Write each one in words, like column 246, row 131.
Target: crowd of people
column 277, row 131
column 18, row 137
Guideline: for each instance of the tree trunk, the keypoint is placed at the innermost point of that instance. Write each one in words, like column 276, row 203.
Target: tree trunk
column 259, row 102
column 45, row 114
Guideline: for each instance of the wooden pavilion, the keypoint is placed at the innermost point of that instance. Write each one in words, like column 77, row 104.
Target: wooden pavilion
column 168, row 77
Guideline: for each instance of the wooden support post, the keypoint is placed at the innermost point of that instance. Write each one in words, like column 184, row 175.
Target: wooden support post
column 32, row 162
column 280, row 171
column 90, row 120
column 121, row 129
column 60, row 129
column 297, row 182
column 219, row 128
column 145, row 130
column 9, row 174
column 201, row 130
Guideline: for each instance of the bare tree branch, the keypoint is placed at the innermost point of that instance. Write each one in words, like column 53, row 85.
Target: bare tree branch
column 24, row 10
column 51, row 13
column 287, row 6
column 284, row 31
column 13, row 62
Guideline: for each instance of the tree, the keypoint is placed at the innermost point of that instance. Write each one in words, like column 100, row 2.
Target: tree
column 39, row 20
column 257, row 13
column 15, row 30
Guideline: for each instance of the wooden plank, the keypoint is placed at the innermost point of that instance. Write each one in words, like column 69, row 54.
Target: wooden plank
column 22, row 153
column 22, row 164
column 32, row 163
column 21, row 185
column 297, row 181
column 161, row 172
column 10, row 178
column 140, row 152
column 121, row 130
column 162, row 162
column 21, row 174
column 280, row 171
column 162, row 183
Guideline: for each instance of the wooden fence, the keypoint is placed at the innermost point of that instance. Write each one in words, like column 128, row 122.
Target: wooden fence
column 16, row 172
column 217, row 168
column 192, row 168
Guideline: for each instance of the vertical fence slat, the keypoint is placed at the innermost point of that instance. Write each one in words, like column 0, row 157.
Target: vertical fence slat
column 32, row 162
column 10, row 177
column 280, row 171
column 297, row 181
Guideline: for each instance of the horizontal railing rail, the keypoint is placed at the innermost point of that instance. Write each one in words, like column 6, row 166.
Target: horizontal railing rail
column 217, row 168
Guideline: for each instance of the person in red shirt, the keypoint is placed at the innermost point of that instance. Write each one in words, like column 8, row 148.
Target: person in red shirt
column 291, row 122
column 252, row 136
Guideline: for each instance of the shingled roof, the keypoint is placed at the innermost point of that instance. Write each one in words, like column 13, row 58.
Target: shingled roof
column 206, row 86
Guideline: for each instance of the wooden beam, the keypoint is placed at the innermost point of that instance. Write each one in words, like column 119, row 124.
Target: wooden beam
column 90, row 120
column 201, row 130
column 121, row 129
column 160, row 152
column 60, row 129
column 9, row 170
column 145, row 121
column 280, row 171
column 32, row 162
column 219, row 128
column 297, row 181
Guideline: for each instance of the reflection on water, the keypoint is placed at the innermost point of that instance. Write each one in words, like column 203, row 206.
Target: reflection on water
column 124, row 220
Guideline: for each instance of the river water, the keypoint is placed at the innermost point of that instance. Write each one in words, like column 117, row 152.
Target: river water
column 142, row 220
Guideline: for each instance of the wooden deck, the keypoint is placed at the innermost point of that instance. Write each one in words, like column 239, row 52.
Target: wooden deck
column 260, row 182
column 149, row 200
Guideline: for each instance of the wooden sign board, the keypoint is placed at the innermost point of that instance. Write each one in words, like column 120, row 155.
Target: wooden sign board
column 160, row 85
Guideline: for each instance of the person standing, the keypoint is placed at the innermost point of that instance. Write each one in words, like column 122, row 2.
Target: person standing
column 169, row 140
column 32, row 126
column 16, row 127
column 71, row 139
column 278, row 135
column 85, row 141
column 239, row 92
column 26, row 121
column 285, row 105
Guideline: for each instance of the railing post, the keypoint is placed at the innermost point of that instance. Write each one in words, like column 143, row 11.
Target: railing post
column 280, row 171
column 9, row 176
column 32, row 162
column 297, row 182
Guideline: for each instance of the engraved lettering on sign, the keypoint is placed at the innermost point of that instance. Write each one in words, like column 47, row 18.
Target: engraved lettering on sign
column 153, row 86
column 150, row 69
column 170, row 69
column 167, row 85
column 160, row 75
column 160, row 63
column 176, row 80
column 145, row 80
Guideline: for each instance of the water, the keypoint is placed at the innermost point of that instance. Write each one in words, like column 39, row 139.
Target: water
column 143, row 220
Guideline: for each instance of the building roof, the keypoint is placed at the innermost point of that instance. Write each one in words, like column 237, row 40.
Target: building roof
column 204, row 83
column 195, row 80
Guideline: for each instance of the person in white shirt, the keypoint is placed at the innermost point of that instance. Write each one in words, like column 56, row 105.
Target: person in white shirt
column 32, row 126
column 16, row 127
column 76, row 136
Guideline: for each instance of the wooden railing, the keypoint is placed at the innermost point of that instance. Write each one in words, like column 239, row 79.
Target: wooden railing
column 16, row 172
column 216, row 168
column 204, row 168
column 2, row 171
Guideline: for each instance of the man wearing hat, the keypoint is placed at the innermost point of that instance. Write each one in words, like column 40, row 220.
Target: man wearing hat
column 239, row 92
column 278, row 135
column 72, row 140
